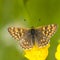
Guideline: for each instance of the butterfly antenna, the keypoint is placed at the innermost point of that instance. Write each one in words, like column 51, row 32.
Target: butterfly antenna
column 24, row 19
column 39, row 19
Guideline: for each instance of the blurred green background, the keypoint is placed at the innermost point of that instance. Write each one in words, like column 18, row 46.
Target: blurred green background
column 13, row 13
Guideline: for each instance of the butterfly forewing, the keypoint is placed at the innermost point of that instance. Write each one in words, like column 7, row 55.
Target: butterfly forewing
column 41, row 36
column 45, row 33
column 22, row 36
column 15, row 32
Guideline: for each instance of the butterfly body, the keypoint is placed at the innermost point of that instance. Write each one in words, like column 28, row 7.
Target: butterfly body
column 29, row 37
column 32, row 33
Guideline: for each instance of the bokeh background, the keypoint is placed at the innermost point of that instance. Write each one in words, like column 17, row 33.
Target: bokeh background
column 26, row 13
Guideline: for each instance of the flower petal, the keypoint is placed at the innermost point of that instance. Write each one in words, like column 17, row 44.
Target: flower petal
column 37, row 53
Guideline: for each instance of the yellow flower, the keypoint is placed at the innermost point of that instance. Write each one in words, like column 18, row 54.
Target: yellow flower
column 37, row 53
column 57, row 54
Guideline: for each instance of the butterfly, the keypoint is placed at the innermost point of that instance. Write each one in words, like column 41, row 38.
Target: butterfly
column 28, row 37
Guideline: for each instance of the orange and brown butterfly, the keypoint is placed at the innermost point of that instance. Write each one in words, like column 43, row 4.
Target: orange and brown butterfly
column 31, row 36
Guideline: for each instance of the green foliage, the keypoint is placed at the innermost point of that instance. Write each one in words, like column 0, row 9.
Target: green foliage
column 36, row 13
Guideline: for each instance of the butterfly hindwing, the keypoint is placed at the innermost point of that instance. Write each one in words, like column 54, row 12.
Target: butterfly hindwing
column 45, row 33
column 26, row 41
column 22, row 36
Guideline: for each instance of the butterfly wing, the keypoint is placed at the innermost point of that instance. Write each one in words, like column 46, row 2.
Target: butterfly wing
column 44, row 33
column 22, row 36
